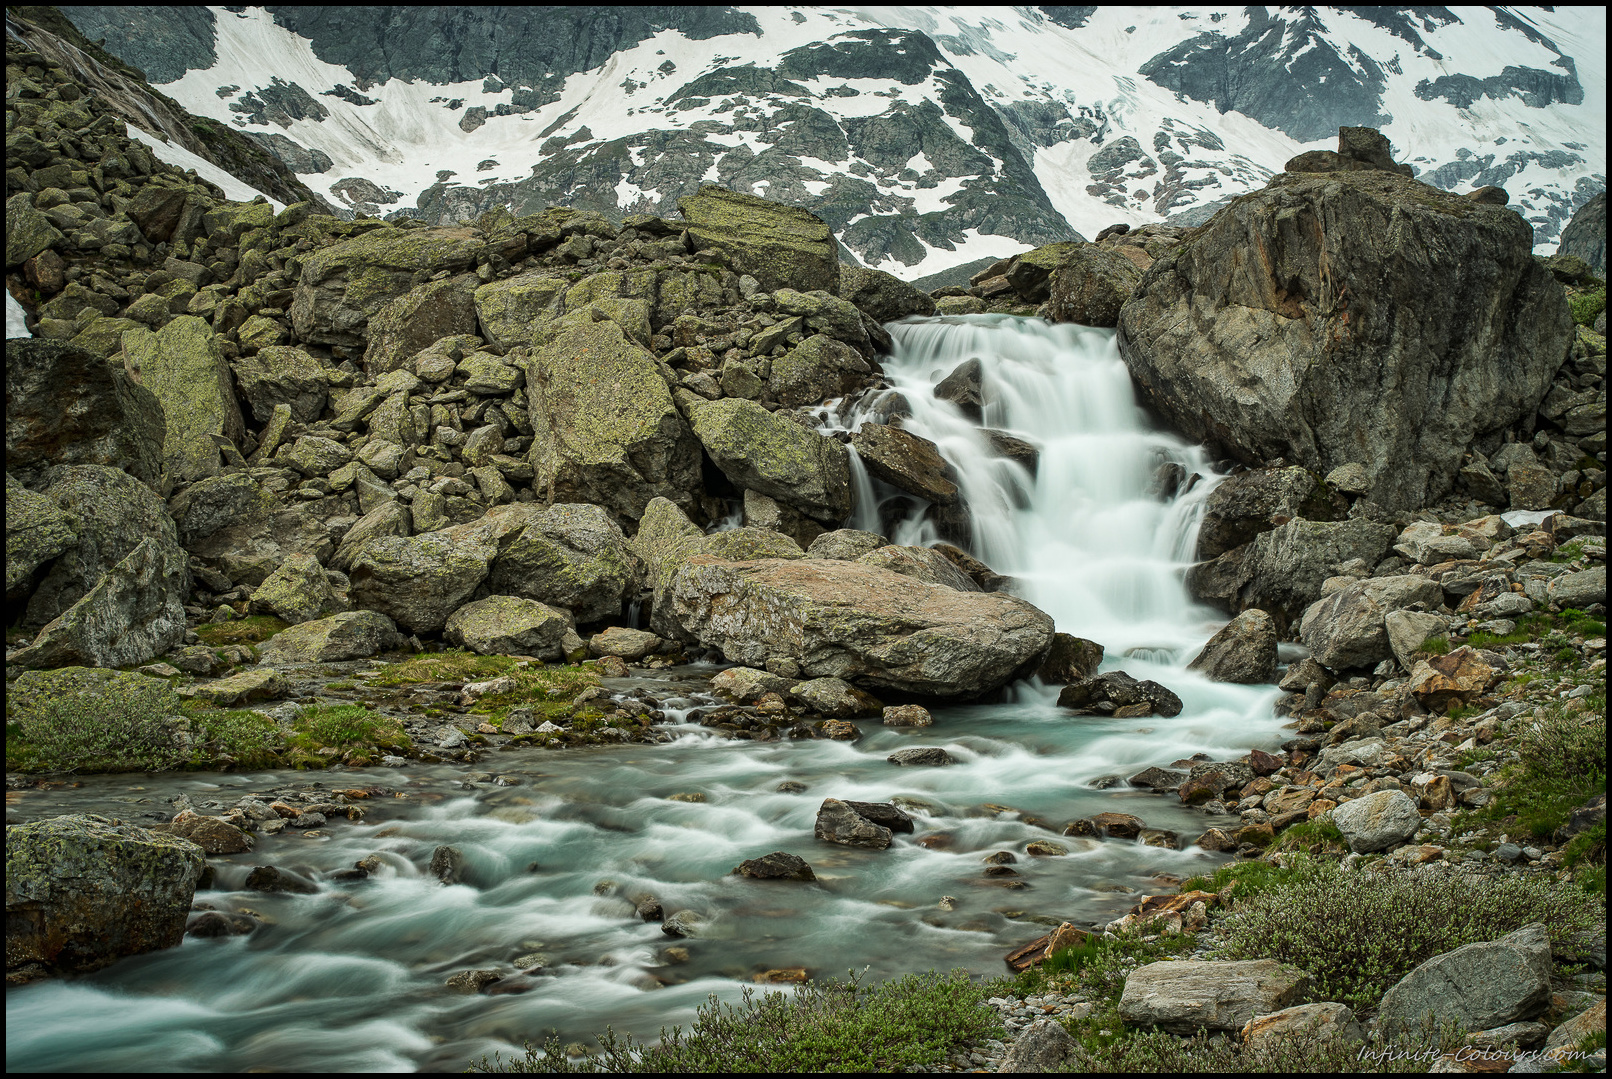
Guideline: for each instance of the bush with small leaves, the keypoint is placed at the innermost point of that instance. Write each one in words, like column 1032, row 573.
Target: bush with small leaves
column 1357, row 932
column 824, row 1026
column 87, row 719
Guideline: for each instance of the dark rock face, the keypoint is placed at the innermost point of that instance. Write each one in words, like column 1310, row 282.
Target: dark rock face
column 1281, row 571
column 1352, row 317
column 778, row 865
column 1118, row 690
column 68, row 406
column 1248, row 503
column 1585, row 235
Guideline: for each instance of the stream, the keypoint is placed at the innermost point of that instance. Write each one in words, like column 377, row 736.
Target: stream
column 560, row 847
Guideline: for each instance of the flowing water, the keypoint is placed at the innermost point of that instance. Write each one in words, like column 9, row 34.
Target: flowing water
column 351, row 978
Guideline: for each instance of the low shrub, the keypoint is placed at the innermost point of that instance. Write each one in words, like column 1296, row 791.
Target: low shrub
column 1587, row 304
column 84, row 719
column 1357, row 933
column 828, row 1026
column 348, row 732
column 249, row 739
column 1561, row 761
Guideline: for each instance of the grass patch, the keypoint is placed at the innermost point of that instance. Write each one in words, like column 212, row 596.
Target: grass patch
column 1357, row 933
column 1313, row 836
column 457, row 665
column 254, row 630
column 1587, row 304
column 1434, row 646
column 1561, row 762
column 1244, row 878
column 348, row 732
column 249, row 739
column 826, row 1026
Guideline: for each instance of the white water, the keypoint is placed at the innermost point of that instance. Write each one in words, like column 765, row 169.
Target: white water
column 351, row 978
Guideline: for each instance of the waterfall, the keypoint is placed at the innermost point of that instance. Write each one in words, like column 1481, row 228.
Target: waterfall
column 1090, row 537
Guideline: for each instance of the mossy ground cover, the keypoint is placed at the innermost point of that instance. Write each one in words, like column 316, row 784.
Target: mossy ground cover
column 252, row 630
column 547, row 690
column 828, row 1026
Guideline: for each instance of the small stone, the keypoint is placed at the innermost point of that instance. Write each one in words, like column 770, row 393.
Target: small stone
column 907, row 715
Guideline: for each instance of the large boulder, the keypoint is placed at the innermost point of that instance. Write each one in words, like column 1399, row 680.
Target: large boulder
column 508, row 625
column 68, row 406
column 282, row 375
column 1350, row 317
column 1585, row 235
column 1475, row 987
column 780, row 246
column 411, row 322
column 606, row 430
column 815, row 370
column 1281, row 571
column 1183, row 996
column 183, row 364
column 297, row 592
column 1243, row 650
column 1377, row 821
column 923, row 563
column 350, row 635
column 883, row 297
column 243, row 530
column 345, row 284
column 82, row 891
column 37, row 530
column 1091, row 284
column 1245, row 504
column 513, row 311
column 1349, row 629
column 768, row 452
column 906, row 461
column 573, row 556
column 865, row 624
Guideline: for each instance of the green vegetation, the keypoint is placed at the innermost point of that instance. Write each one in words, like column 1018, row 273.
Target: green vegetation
column 1358, row 932
column 1587, row 304
column 1548, row 629
column 79, row 719
column 1561, row 763
column 240, row 736
column 254, row 630
column 827, row 1026
column 547, row 691
column 1313, row 836
column 348, row 732
column 1434, row 646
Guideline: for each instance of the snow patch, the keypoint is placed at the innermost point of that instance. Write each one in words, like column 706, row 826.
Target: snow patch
column 234, row 188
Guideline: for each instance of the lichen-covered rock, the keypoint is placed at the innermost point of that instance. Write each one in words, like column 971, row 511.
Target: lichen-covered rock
column 883, row 297
column 243, row 687
column 815, row 370
column 1377, row 821
column 606, row 430
column 420, row 580
column 835, row 698
column 515, row 310
column 1475, row 987
column 508, row 625
column 37, row 530
column 744, row 544
column 1349, row 627
column 183, row 364
column 411, row 322
column 350, row 635
column 767, row 452
column 1183, row 996
column 1301, row 1023
column 1281, row 571
column 572, row 555
column 1247, row 503
column 243, row 530
column 1243, row 650
column 297, row 592
column 1091, row 284
column 1357, row 289
column 922, row 563
column 82, row 891
column 28, row 231
column 845, row 544
column 1071, row 659
column 282, row 375
column 68, row 406
column 631, row 645
column 780, row 246
column 906, row 461
column 345, row 284
column 864, row 624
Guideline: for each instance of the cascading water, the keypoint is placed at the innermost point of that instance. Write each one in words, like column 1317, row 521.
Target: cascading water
column 352, row 978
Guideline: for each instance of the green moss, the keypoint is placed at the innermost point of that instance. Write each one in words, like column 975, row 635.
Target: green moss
column 1586, row 305
column 350, row 733
column 252, row 630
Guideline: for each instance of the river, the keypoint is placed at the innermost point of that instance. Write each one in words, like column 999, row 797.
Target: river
column 351, row 978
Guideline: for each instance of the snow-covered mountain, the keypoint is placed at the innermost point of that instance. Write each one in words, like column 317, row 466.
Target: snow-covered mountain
column 927, row 137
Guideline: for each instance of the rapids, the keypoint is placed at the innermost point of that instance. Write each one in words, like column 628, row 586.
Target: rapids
column 352, row 978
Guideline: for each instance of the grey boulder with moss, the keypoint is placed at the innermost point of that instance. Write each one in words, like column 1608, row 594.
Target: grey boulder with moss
column 509, row 625
column 767, row 452
column 572, row 555
column 1475, row 987
column 1242, row 651
column 883, row 297
column 83, row 891
column 780, row 246
column 418, row 581
column 605, row 427
column 183, row 364
column 297, row 592
column 350, row 635
column 37, row 530
column 66, row 405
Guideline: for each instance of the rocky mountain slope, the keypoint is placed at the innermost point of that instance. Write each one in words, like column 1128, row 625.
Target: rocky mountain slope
column 925, row 137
